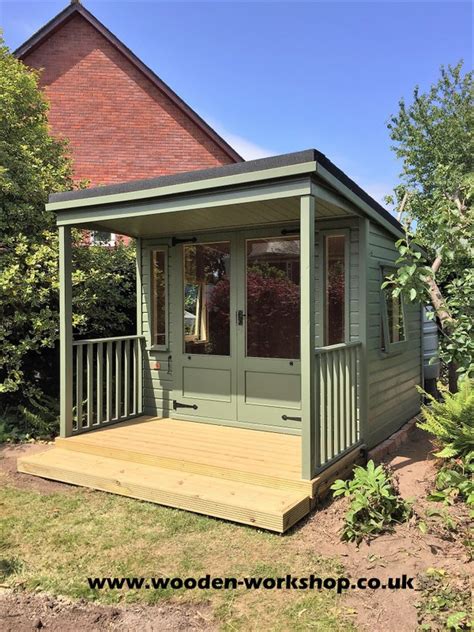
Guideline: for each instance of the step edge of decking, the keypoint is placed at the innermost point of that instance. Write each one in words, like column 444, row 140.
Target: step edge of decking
column 185, row 465
column 42, row 464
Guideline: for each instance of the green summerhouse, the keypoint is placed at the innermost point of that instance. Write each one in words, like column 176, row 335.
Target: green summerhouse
column 266, row 356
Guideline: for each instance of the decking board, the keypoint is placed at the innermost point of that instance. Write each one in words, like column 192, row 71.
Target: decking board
column 248, row 456
column 273, row 509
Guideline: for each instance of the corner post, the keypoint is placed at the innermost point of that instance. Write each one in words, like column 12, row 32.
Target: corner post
column 364, row 226
column 307, row 336
column 139, row 290
column 65, row 330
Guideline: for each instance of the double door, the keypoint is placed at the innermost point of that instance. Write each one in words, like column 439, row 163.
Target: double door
column 236, row 329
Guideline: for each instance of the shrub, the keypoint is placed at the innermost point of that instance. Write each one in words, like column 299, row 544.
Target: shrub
column 375, row 502
column 451, row 422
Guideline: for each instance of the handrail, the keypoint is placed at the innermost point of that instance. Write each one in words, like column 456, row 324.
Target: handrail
column 340, row 345
column 90, row 341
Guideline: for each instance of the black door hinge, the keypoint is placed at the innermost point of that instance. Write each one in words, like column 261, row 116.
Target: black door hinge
column 183, row 240
column 177, row 405
column 286, row 418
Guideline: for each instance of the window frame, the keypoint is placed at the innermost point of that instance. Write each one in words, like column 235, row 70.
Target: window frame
column 111, row 242
column 151, row 294
column 390, row 348
column 323, row 235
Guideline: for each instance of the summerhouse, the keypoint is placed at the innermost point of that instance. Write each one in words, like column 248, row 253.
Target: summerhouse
column 267, row 359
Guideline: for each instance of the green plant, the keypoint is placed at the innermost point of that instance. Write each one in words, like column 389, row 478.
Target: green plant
column 433, row 136
column 444, row 603
column 451, row 422
column 40, row 420
column 375, row 502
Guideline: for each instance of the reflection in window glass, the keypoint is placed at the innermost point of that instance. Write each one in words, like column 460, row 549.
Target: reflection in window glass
column 158, row 273
column 273, row 297
column 394, row 315
column 207, row 298
column 335, row 289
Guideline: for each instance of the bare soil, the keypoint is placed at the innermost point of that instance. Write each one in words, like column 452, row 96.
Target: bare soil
column 405, row 551
column 26, row 612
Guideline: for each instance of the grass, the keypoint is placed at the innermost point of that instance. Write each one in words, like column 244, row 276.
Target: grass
column 52, row 542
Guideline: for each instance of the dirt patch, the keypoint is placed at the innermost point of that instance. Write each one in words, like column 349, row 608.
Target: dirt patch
column 26, row 612
column 8, row 458
column 407, row 551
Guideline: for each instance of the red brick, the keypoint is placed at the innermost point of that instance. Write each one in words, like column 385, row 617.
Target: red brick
column 120, row 125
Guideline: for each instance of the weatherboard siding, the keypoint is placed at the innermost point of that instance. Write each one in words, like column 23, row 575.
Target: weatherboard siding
column 392, row 378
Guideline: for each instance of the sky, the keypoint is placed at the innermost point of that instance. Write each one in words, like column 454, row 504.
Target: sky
column 276, row 77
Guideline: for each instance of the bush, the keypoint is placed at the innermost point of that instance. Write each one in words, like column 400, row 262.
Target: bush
column 375, row 502
column 451, row 422
column 40, row 420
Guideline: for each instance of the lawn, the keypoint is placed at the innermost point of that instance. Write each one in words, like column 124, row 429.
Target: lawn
column 53, row 541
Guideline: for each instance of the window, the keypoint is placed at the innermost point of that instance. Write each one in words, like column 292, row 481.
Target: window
column 206, row 290
column 102, row 238
column 335, row 289
column 393, row 317
column 159, row 296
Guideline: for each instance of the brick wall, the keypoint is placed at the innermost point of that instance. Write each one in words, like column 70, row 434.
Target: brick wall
column 119, row 124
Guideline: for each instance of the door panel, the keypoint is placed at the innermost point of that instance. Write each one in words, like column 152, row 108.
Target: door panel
column 205, row 358
column 269, row 338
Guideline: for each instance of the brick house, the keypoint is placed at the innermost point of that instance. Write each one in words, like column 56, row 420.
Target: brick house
column 122, row 121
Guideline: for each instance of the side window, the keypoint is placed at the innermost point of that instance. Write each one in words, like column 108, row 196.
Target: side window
column 336, row 290
column 393, row 325
column 159, row 298
column 102, row 238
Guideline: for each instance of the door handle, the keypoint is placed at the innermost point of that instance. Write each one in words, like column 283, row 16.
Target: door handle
column 240, row 317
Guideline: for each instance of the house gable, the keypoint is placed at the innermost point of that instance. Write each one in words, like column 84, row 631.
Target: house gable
column 122, row 122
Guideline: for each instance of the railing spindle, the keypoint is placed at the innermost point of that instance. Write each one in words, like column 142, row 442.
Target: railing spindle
column 100, row 382
column 90, row 384
column 109, row 381
column 126, row 378
column 79, row 386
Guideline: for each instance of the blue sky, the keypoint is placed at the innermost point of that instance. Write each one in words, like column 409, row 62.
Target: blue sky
column 275, row 77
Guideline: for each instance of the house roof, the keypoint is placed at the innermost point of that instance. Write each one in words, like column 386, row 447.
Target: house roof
column 316, row 161
column 76, row 8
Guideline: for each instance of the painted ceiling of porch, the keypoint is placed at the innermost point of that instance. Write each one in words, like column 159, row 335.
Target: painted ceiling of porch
column 214, row 218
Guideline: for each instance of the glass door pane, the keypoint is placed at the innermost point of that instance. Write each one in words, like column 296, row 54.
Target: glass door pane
column 335, row 289
column 207, row 298
column 273, row 297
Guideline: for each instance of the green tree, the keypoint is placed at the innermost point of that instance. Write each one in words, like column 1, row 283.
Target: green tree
column 434, row 138
column 32, row 165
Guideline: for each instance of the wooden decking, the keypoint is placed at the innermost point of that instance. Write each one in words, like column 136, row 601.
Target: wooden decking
column 243, row 475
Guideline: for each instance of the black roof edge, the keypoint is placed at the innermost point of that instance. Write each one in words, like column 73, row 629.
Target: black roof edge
column 76, row 8
column 355, row 188
column 260, row 164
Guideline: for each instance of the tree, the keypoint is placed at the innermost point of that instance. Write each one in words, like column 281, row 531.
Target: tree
column 434, row 138
column 32, row 165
